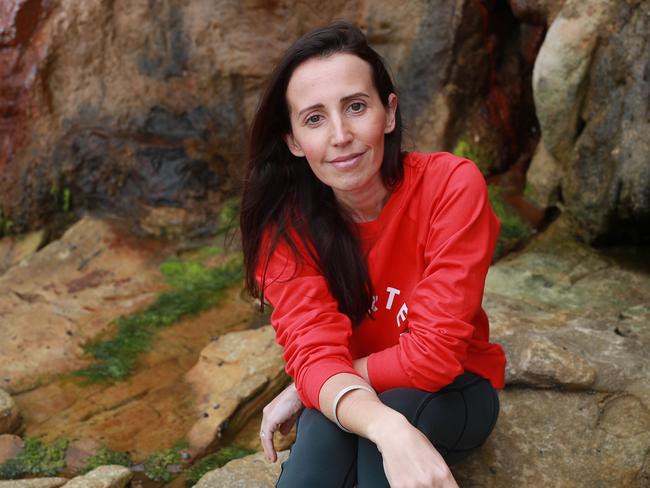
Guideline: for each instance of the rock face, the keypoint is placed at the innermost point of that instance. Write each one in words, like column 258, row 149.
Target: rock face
column 142, row 109
column 591, row 90
column 235, row 377
column 9, row 414
column 249, row 472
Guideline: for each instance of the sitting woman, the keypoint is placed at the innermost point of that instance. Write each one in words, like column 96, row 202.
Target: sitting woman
column 374, row 261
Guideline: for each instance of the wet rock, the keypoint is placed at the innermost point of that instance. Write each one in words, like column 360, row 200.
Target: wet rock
column 10, row 447
column 34, row 483
column 249, row 472
column 235, row 377
column 61, row 297
column 102, row 477
column 9, row 414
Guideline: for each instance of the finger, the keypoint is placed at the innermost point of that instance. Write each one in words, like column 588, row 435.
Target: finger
column 266, row 437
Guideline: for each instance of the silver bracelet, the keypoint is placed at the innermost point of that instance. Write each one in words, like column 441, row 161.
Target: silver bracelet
column 340, row 395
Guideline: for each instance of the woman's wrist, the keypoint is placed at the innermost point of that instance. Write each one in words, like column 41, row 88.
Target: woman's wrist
column 384, row 428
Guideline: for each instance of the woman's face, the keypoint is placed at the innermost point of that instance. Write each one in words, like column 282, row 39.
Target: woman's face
column 338, row 123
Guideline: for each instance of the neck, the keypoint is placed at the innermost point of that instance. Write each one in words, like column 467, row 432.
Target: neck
column 363, row 205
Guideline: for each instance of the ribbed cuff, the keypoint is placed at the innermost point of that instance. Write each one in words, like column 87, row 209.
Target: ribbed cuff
column 315, row 377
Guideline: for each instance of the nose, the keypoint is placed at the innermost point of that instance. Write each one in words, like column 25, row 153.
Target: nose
column 341, row 133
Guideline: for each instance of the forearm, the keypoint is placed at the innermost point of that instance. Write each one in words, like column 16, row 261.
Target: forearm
column 358, row 410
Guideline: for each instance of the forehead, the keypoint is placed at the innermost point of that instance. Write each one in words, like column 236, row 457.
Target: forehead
column 327, row 80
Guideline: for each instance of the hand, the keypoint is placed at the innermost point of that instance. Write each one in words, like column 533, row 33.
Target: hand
column 411, row 461
column 280, row 415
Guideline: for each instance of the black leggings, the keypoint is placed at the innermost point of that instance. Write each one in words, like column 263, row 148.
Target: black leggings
column 457, row 419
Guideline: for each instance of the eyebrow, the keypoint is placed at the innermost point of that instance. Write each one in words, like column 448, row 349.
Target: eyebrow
column 344, row 99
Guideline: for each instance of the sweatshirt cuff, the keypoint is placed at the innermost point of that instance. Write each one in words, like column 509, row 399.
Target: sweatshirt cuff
column 385, row 370
column 315, row 377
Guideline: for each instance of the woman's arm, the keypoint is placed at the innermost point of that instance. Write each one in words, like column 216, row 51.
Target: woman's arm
column 409, row 457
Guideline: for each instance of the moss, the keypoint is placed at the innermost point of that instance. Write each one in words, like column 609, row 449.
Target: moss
column 36, row 458
column 157, row 465
column 105, row 456
column 66, row 200
column 194, row 288
column 228, row 217
column 479, row 155
column 513, row 228
column 5, row 225
column 214, row 461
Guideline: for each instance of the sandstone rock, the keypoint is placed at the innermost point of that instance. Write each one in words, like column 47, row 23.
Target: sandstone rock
column 34, row 483
column 235, row 377
column 575, row 410
column 249, row 472
column 10, row 447
column 552, row 438
column 102, row 477
column 66, row 294
column 535, row 360
column 15, row 249
column 147, row 116
column 9, row 414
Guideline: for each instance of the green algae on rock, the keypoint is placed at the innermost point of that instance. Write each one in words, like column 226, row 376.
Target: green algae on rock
column 105, row 456
column 194, row 288
column 36, row 458
column 513, row 228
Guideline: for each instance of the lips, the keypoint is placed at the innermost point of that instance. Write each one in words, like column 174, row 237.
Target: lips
column 347, row 160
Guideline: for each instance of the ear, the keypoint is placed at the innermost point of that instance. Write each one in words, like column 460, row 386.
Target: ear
column 391, row 109
column 293, row 145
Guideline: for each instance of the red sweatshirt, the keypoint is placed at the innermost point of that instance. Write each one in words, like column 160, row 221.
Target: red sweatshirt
column 428, row 253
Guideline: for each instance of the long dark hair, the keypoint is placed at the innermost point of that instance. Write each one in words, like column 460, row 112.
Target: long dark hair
column 281, row 192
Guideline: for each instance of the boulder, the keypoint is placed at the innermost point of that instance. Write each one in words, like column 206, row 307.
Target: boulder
column 235, row 377
column 576, row 407
column 590, row 88
column 102, row 477
column 249, row 472
column 9, row 414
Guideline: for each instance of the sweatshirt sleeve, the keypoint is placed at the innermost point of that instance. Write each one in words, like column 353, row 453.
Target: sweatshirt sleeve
column 458, row 250
column 314, row 334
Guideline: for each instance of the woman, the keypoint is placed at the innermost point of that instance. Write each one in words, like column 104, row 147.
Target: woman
column 375, row 263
